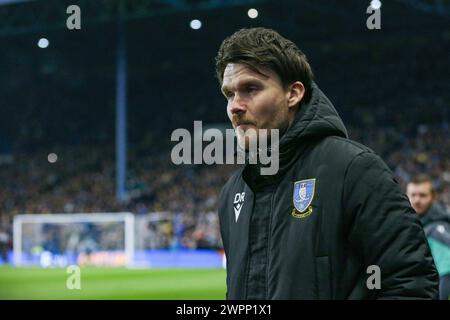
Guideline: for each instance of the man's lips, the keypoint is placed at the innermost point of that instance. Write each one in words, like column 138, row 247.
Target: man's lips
column 243, row 125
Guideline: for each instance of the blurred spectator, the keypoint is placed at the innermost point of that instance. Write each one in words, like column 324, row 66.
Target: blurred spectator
column 4, row 245
column 436, row 222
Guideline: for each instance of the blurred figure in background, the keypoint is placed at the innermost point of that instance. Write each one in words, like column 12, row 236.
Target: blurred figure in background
column 4, row 244
column 436, row 223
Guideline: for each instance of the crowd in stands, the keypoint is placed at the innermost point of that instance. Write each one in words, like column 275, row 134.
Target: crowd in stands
column 83, row 180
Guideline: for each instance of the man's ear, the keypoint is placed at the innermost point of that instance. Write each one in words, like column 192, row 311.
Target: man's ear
column 295, row 94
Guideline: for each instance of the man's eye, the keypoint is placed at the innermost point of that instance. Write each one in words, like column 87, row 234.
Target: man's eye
column 251, row 89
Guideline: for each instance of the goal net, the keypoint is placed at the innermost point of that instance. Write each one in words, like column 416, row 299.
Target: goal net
column 58, row 240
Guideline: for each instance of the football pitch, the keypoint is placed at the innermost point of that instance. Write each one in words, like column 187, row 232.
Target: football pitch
column 113, row 283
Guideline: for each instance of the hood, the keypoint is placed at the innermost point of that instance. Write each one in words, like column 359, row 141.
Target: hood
column 437, row 213
column 314, row 121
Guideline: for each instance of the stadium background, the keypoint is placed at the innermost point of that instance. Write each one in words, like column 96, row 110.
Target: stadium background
column 390, row 86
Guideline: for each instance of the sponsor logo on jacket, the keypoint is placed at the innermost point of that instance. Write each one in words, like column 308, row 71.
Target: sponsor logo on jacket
column 238, row 203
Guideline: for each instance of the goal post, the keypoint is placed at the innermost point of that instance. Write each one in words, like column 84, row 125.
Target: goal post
column 99, row 239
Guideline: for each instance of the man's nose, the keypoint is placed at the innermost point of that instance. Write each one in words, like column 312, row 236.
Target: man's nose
column 415, row 201
column 237, row 105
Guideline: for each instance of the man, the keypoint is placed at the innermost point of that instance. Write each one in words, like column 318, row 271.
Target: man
column 4, row 246
column 436, row 223
column 331, row 212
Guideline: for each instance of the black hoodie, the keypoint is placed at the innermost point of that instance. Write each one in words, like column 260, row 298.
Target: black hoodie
column 436, row 224
column 323, row 226
column 433, row 217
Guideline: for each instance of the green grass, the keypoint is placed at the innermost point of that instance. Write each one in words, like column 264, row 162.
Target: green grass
column 113, row 283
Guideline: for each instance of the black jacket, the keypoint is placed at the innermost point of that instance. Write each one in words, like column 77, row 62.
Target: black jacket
column 357, row 217
column 436, row 216
column 436, row 224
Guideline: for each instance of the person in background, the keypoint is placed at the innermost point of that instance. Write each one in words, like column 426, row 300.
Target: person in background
column 4, row 245
column 436, row 223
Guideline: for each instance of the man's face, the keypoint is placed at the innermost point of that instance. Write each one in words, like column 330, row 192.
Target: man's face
column 421, row 196
column 255, row 101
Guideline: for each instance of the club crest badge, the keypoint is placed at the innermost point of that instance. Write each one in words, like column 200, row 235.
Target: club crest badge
column 302, row 197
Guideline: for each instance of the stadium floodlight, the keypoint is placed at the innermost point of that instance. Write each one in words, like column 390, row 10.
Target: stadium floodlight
column 196, row 24
column 99, row 239
column 43, row 43
column 375, row 4
column 252, row 13
column 52, row 157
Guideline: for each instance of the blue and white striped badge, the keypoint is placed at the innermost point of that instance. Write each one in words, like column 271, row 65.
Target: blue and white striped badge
column 303, row 194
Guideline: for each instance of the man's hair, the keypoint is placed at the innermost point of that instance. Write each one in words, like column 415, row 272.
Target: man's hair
column 423, row 178
column 258, row 47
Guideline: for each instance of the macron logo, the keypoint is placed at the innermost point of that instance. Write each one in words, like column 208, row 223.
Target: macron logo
column 238, row 203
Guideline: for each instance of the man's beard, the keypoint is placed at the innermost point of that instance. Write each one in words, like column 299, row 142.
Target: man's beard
column 253, row 143
column 252, row 136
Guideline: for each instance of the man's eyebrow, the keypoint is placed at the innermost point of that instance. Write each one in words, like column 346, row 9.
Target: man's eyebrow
column 244, row 82
column 250, row 81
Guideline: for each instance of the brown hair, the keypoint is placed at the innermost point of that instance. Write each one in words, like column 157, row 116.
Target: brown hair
column 423, row 178
column 258, row 47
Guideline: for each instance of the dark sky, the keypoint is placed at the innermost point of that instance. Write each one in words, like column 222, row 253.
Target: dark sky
column 65, row 94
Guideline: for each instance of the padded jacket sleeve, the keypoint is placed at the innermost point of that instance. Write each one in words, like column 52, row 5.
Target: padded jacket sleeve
column 384, row 231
